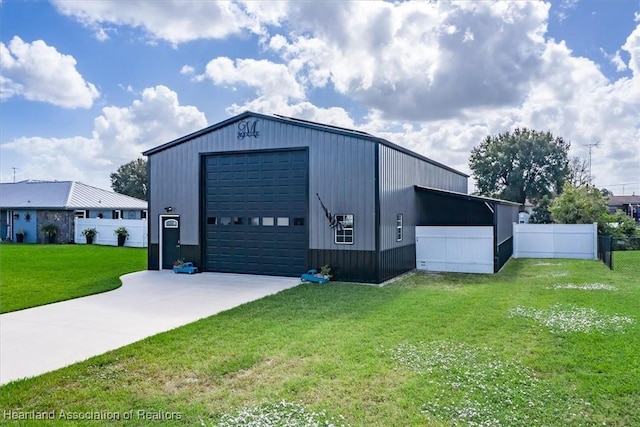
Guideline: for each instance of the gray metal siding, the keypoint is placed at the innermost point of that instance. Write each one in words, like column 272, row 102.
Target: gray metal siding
column 341, row 170
column 506, row 215
column 399, row 172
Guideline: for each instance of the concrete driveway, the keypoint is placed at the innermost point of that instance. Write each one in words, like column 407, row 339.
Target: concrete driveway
column 42, row 339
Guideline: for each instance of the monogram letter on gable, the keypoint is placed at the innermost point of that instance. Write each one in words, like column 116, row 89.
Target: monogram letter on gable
column 248, row 129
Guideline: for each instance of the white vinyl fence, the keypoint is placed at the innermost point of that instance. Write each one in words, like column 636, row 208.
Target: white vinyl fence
column 137, row 229
column 467, row 249
column 579, row 241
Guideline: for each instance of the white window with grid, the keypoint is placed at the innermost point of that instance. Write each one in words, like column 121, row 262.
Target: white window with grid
column 399, row 227
column 344, row 231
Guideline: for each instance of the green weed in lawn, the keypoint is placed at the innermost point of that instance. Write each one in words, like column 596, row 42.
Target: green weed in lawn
column 475, row 386
column 33, row 275
column 569, row 319
column 281, row 414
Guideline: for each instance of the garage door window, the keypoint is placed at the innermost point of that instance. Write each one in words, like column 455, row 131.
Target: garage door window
column 267, row 221
column 399, row 228
column 283, row 221
column 254, row 220
column 344, row 232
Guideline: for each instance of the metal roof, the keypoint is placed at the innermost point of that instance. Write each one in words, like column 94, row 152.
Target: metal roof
column 623, row 200
column 303, row 123
column 63, row 195
column 468, row 196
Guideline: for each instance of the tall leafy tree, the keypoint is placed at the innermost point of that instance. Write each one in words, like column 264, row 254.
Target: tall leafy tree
column 579, row 205
column 131, row 179
column 541, row 214
column 519, row 165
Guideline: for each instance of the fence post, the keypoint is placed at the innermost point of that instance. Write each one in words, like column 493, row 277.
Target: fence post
column 595, row 240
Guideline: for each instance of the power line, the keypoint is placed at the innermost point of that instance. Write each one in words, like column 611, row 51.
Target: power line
column 624, row 183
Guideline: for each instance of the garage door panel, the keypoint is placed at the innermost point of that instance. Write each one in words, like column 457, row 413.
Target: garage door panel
column 264, row 185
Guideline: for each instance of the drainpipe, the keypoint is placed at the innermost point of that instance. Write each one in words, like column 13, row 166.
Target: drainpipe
column 10, row 225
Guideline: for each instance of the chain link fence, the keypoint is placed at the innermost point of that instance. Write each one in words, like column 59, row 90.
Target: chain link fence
column 609, row 244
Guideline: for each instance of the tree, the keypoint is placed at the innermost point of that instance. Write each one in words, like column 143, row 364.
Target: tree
column 619, row 224
column 131, row 179
column 579, row 172
column 579, row 205
column 525, row 164
column 541, row 213
column 606, row 193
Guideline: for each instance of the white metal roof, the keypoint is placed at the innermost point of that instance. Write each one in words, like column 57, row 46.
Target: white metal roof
column 63, row 195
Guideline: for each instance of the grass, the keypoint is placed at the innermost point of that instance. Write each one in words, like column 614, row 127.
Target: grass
column 430, row 349
column 33, row 275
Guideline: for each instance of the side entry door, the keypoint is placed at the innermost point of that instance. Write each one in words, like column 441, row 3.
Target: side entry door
column 170, row 241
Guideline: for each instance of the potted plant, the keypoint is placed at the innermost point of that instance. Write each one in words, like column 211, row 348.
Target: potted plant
column 50, row 231
column 89, row 233
column 325, row 271
column 122, row 234
column 20, row 235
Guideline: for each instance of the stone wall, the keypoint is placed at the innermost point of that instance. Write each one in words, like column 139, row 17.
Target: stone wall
column 61, row 219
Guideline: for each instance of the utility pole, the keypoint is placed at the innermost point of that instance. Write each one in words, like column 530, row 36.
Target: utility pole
column 595, row 144
column 14, row 174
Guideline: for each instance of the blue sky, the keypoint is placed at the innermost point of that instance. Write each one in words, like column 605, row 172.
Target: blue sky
column 88, row 85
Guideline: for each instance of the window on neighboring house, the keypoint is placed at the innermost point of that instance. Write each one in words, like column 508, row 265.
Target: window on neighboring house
column 344, row 231
column 399, row 228
column 116, row 214
column 143, row 214
column 82, row 214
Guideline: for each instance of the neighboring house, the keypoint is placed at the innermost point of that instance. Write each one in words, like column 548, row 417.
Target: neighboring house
column 628, row 204
column 275, row 195
column 28, row 205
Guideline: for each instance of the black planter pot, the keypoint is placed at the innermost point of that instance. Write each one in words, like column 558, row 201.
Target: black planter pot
column 121, row 239
column 89, row 240
column 19, row 238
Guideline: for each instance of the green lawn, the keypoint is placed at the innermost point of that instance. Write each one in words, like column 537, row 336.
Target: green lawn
column 33, row 275
column 544, row 342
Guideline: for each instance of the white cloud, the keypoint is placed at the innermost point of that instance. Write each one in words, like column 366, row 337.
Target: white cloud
column 615, row 59
column 39, row 72
column 119, row 136
column 632, row 46
column 302, row 110
column 411, row 60
column 270, row 79
column 174, row 20
column 187, row 70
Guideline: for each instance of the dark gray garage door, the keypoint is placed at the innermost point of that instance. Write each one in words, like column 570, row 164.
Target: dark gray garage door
column 256, row 212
